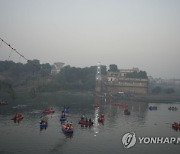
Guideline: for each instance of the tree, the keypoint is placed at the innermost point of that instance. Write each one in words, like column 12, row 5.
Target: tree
column 77, row 78
column 33, row 66
column 113, row 68
column 140, row 74
column 103, row 70
column 6, row 87
column 45, row 69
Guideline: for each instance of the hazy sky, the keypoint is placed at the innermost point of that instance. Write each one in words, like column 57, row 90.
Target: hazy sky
column 129, row 33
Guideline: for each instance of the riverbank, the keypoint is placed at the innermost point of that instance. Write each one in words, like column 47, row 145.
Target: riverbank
column 153, row 98
column 158, row 98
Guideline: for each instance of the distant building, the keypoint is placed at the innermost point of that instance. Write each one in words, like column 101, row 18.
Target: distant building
column 115, row 82
column 56, row 68
column 123, row 72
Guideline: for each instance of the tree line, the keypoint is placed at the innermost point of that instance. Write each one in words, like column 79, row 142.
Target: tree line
column 36, row 77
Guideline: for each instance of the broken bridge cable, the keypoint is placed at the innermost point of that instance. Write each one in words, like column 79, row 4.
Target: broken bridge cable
column 13, row 49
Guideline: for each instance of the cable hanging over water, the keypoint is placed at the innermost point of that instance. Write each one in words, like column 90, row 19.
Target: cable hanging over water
column 13, row 49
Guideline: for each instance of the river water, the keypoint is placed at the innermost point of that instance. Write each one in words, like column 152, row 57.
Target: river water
column 26, row 138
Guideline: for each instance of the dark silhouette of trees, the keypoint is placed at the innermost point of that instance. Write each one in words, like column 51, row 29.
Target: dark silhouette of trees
column 103, row 70
column 140, row 74
column 77, row 78
column 6, row 88
column 113, row 68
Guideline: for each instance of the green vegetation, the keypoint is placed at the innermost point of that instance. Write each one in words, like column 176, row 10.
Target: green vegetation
column 103, row 70
column 19, row 74
column 31, row 80
column 72, row 78
column 140, row 74
column 15, row 76
column 7, row 89
column 34, row 78
column 113, row 68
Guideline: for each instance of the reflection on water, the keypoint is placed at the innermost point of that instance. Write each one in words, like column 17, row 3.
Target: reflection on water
column 68, row 135
column 26, row 137
column 35, row 112
column 96, row 124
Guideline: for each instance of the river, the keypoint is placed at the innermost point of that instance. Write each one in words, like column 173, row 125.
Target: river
column 26, row 137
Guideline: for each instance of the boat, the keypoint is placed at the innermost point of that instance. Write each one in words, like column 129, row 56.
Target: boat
column 101, row 118
column 43, row 124
column 127, row 112
column 63, row 119
column 85, row 123
column 176, row 126
column 66, row 129
column 173, row 108
column 18, row 117
column 152, row 107
column 121, row 104
column 49, row 111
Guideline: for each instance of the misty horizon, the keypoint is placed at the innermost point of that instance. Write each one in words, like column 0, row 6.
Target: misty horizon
column 143, row 34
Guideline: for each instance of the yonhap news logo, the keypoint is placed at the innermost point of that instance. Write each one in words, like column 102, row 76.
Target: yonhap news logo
column 129, row 140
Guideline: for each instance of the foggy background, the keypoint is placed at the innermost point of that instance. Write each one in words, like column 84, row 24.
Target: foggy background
column 129, row 33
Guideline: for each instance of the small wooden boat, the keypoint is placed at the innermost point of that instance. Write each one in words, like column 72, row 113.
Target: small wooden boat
column 127, row 112
column 85, row 123
column 67, row 129
column 120, row 104
column 18, row 117
column 172, row 108
column 49, row 111
column 63, row 119
column 101, row 118
column 152, row 107
column 176, row 126
column 43, row 124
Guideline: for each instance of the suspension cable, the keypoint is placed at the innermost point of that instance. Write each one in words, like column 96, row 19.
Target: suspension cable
column 13, row 49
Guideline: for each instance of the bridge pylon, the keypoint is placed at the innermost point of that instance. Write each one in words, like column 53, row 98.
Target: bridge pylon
column 98, row 78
